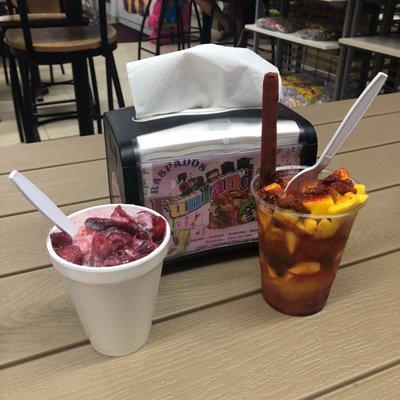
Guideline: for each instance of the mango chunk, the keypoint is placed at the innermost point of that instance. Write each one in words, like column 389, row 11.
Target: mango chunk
column 308, row 225
column 335, row 196
column 348, row 202
column 305, row 268
column 285, row 217
column 291, row 241
column 275, row 233
column 362, row 198
column 342, row 173
column 271, row 272
column 264, row 218
column 272, row 186
column 326, row 228
column 320, row 205
column 360, row 188
column 339, row 255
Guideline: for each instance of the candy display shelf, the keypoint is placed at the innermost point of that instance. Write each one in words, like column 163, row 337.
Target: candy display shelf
column 291, row 37
column 388, row 46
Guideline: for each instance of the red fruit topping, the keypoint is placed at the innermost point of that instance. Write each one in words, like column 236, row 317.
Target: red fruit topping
column 147, row 247
column 117, row 237
column 70, row 253
column 101, row 247
column 101, row 224
column 60, row 239
column 158, row 230
column 119, row 214
column 117, row 258
column 106, row 242
column 145, row 219
column 142, row 234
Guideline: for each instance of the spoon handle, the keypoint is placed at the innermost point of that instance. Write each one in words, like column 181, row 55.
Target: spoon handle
column 42, row 203
column 351, row 119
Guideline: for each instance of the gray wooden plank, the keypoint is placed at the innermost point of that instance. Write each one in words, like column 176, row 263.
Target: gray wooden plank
column 51, row 322
column 51, row 153
column 237, row 350
column 65, row 185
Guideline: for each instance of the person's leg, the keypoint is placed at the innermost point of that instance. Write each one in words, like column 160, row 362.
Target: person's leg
column 220, row 17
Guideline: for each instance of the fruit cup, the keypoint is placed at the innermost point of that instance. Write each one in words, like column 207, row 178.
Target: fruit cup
column 300, row 253
column 115, row 304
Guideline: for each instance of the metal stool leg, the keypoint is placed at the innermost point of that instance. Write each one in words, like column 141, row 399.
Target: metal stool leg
column 189, row 33
column 109, row 83
column 160, row 25
column 146, row 14
column 17, row 97
column 97, row 109
column 179, row 26
column 198, row 20
column 117, row 83
column 51, row 73
column 31, row 133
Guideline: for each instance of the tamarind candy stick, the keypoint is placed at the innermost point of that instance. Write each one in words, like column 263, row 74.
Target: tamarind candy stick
column 269, row 119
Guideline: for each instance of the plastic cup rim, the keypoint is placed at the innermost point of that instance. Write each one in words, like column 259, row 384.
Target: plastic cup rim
column 113, row 268
column 300, row 215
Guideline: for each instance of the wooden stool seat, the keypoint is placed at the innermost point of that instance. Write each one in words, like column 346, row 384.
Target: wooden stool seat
column 61, row 39
column 14, row 21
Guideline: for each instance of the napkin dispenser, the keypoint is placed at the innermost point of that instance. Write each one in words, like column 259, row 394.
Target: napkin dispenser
column 196, row 171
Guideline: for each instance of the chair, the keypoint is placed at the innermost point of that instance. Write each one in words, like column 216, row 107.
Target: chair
column 180, row 35
column 46, row 13
column 60, row 45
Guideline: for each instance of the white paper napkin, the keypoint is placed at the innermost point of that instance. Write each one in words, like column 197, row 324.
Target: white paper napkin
column 207, row 77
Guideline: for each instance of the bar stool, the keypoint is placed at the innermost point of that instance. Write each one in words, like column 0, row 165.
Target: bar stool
column 41, row 13
column 181, row 36
column 60, row 45
column 47, row 13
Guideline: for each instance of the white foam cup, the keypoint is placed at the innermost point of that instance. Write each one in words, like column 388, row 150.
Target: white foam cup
column 115, row 304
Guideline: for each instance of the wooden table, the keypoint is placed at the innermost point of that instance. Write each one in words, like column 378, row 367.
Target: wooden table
column 213, row 335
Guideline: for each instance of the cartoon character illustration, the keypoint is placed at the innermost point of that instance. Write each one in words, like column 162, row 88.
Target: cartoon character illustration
column 244, row 163
column 230, row 209
column 211, row 175
column 227, row 167
column 191, row 185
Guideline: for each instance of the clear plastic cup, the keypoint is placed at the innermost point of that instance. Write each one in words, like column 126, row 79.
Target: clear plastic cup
column 115, row 304
column 299, row 253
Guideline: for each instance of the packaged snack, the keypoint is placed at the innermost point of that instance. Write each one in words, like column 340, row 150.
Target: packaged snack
column 302, row 89
column 280, row 24
column 319, row 33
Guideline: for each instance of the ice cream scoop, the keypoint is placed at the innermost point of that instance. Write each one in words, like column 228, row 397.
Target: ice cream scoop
column 357, row 111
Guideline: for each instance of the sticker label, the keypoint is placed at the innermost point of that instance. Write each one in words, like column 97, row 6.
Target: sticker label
column 207, row 200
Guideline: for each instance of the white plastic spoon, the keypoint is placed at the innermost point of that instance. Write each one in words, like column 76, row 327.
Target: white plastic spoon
column 42, row 203
column 357, row 111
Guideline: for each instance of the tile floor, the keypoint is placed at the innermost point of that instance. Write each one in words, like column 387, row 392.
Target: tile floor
column 125, row 52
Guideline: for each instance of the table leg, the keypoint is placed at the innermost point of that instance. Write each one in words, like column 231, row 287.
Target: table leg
column 350, row 51
column 206, row 29
column 73, row 9
column 256, row 43
column 83, row 98
column 385, row 31
column 343, row 50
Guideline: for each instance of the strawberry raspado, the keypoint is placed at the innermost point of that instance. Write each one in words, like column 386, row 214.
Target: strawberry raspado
column 106, row 242
column 302, row 237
